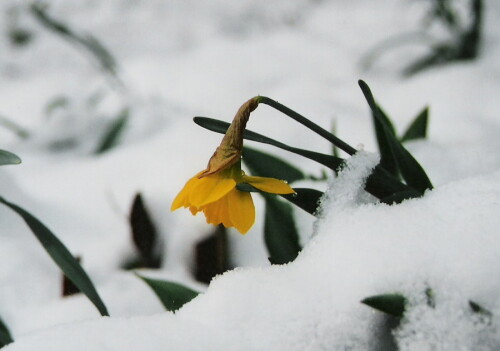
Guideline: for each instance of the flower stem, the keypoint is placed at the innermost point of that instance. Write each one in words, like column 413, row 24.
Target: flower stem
column 311, row 125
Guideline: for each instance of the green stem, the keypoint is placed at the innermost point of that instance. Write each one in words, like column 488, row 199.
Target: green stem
column 311, row 125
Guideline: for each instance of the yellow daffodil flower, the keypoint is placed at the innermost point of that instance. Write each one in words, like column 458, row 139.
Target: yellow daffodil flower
column 221, row 202
column 214, row 190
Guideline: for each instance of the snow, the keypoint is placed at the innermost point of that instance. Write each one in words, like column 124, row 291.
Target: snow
column 180, row 59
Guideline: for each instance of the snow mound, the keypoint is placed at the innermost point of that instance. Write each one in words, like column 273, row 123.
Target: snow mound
column 447, row 241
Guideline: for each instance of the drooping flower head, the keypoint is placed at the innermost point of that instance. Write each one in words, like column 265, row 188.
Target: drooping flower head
column 214, row 192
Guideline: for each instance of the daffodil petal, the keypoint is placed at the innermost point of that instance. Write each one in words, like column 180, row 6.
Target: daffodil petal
column 194, row 210
column 269, row 185
column 210, row 189
column 182, row 199
column 218, row 212
column 241, row 210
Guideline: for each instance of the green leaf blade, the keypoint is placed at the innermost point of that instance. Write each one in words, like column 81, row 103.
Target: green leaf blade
column 265, row 165
column 91, row 44
column 392, row 304
column 382, row 184
column 114, row 132
column 144, row 234
column 382, row 126
column 212, row 255
column 172, row 295
column 477, row 308
column 8, row 158
column 418, row 128
column 61, row 256
column 411, row 171
column 306, row 199
column 5, row 336
column 332, row 162
column 280, row 234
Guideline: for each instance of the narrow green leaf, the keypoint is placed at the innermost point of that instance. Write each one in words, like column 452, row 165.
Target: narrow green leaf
column 413, row 174
column 61, row 256
column 114, row 132
column 393, row 304
column 418, row 128
column 386, row 121
column 14, row 127
column 248, row 188
column 382, row 184
column 400, row 196
column 218, row 126
column 91, row 44
column 144, row 234
column 172, row 295
column 8, row 158
column 103, row 56
column 211, row 256
column 265, row 165
column 333, row 130
column 39, row 10
column 308, row 124
column 306, row 199
column 280, row 234
column 440, row 54
column 68, row 287
column 477, row 308
column 382, row 126
column 5, row 336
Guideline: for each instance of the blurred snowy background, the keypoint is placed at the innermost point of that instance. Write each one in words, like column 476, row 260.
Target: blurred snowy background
column 177, row 59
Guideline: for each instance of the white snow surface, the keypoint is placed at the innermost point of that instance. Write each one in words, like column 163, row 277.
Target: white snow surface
column 178, row 59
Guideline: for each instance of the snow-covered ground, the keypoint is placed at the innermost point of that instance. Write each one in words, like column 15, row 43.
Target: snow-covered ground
column 182, row 58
